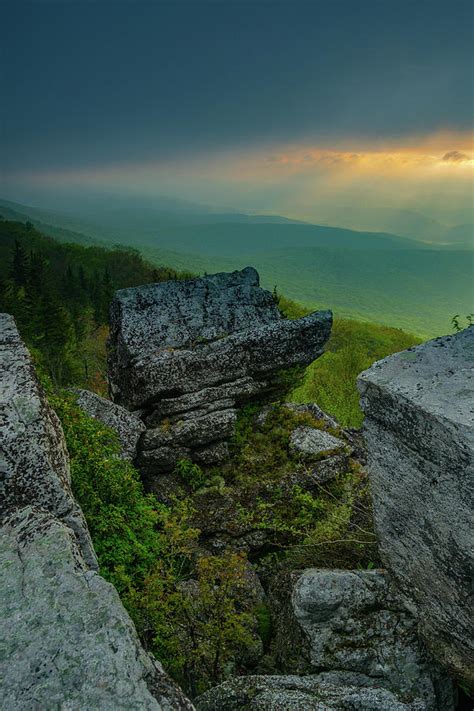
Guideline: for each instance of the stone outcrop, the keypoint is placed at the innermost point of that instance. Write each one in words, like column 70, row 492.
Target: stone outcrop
column 186, row 354
column 34, row 463
column 344, row 640
column 419, row 429
column 67, row 641
column 354, row 621
column 309, row 442
column 128, row 426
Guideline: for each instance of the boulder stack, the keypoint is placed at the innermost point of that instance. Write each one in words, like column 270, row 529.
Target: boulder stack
column 187, row 354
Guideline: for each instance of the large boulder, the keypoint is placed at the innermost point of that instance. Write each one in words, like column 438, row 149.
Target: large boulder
column 188, row 353
column 333, row 691
column 354, row 621
column 419, row 428
column 67, row 641
column 125, row 424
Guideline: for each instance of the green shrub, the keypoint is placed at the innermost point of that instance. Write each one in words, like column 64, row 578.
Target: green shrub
column 123, row 521
column 191, row 473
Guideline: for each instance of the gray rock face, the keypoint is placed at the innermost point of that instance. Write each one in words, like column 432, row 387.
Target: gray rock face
column 318, row 692
column 67, row 641
column 419, row 429
column 309, row 442
column 127, row 425
column 353, row 621
column 187, row 353
column 34, row 465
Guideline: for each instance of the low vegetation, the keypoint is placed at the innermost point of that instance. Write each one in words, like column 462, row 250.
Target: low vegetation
column 197, row 610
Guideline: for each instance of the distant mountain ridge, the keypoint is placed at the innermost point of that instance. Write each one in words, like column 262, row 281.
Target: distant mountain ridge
column 371, row 276
column 407, row 223
column 203, row 229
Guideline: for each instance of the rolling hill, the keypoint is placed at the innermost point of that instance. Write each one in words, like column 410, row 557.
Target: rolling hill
column 371, row 276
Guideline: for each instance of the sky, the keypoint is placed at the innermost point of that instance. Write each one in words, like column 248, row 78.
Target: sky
column 267, row 106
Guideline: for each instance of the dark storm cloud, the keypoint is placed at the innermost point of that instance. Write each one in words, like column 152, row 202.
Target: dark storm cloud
column 88, row 83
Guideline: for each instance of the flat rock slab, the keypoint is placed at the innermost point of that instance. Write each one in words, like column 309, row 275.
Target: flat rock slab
column 419, row 429
column 67, row 641
column 128, row 426
column 311, row 442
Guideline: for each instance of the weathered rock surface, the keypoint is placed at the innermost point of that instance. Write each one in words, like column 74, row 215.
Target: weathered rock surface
column 310, row 442
column 188, row 353
column 419, row 429
column 334, row 691
column 354, row 621
column 67, row 641
column 127, row 425
column 34, row 465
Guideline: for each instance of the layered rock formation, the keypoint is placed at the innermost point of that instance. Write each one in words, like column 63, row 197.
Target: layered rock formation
column 186, row 354
column 67, row 641
column 419, row 429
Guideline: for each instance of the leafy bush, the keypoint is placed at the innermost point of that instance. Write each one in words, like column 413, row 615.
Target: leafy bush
column 123, row 521
column 191, row 473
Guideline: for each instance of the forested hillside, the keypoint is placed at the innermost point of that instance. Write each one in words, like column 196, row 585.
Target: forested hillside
column 59, row 295
column 370, row 276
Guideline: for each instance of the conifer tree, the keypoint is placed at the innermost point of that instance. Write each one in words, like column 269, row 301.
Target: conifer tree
column 19, row 268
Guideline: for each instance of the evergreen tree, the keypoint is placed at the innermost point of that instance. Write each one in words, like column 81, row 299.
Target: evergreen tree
column 19, row 268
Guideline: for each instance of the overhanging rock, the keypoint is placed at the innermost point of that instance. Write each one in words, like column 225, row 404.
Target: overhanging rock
column 188, row 353
column 419, row 427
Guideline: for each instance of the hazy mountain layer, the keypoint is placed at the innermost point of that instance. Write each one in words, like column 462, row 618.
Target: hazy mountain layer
column 374, row 276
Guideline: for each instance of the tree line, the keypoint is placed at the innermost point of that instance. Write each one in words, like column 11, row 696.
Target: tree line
column 60, row 294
